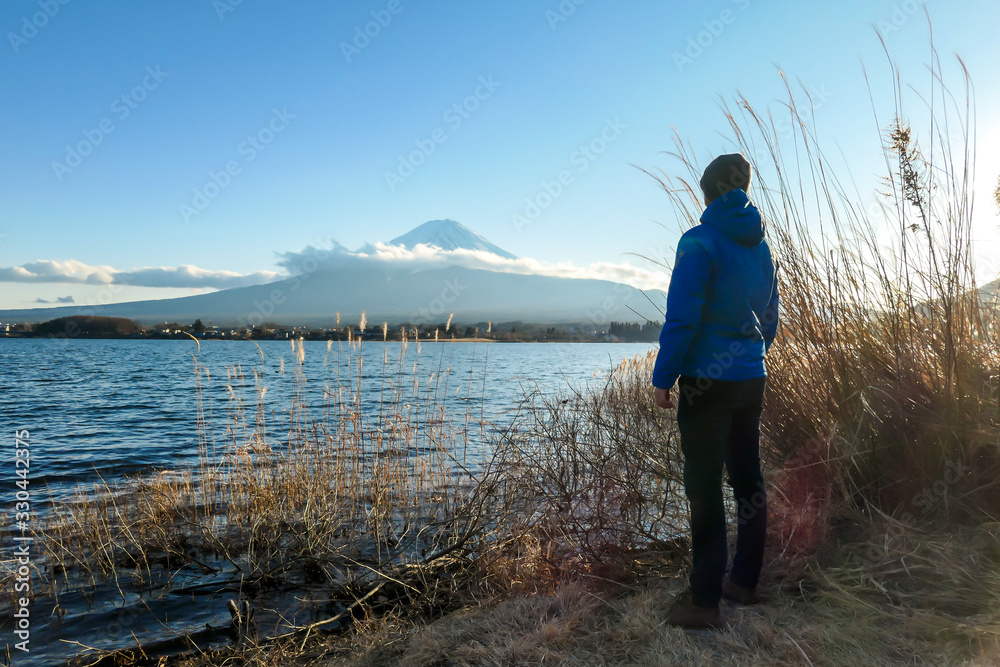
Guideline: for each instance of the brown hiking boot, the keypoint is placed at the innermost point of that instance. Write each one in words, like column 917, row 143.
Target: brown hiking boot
column 686, row 613
column 739, row 594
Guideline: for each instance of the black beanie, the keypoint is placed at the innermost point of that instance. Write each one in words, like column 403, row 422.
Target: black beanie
column 725, row 173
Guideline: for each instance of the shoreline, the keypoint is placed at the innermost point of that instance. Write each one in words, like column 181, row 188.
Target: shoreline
column 342, row 340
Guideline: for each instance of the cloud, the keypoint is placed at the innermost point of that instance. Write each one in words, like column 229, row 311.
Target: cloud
column 187, row 275
column 51, row 271
column 58, row 299
column 421, row 257
column 74, row 272
column 333, row 257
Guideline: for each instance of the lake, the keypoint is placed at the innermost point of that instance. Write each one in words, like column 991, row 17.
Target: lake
column 120, row 406
column 102, row 409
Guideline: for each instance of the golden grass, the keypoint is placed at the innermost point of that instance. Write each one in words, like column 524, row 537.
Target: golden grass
column 881, row 426
column 916, row 599
column 350, row 498
column 886, row 357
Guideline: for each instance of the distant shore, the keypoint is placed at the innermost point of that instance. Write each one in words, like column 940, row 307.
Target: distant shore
column 93, row 326
column 367, row 339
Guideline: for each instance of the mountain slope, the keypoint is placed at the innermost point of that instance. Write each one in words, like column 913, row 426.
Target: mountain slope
column 448, row 235
column 422, row 289
column 426, row 296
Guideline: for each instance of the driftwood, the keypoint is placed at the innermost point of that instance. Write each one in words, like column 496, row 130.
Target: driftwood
column 394, row 585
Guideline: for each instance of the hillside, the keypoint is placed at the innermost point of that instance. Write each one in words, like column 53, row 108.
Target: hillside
column 403, row 296
column 476, row 287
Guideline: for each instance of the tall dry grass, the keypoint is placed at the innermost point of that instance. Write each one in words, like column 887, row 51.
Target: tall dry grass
column 363, row 502
column 881, row 434
column 884, row 373
column 587, row 483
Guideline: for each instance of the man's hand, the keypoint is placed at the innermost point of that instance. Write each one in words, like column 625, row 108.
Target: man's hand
column 662, row 397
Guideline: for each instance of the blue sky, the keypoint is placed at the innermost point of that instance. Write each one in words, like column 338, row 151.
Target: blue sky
column 219, row 133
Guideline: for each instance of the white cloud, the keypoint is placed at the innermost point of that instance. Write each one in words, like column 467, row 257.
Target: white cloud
column 75, row 272
column 51, row 271
column 332, row 258
column 380, row 255
column 187, row 275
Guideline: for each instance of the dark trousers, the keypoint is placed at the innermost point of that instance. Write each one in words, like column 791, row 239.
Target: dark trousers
column 719, row 424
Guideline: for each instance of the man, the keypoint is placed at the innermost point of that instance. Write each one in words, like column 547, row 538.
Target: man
column 722, row 315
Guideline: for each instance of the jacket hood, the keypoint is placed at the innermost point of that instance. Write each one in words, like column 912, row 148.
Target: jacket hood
column 734, row 215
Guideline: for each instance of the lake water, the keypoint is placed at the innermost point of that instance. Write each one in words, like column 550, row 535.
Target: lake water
column 115, row 407
column 101, row 409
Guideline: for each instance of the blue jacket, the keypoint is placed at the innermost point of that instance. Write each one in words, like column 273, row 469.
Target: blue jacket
column 722, row 303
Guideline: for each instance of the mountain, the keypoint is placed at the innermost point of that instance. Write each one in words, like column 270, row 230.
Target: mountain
column 417, row 297
column 396, row 292
column 448, row 235
column 990, row 293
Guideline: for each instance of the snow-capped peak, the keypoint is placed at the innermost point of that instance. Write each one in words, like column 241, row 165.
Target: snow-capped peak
column 447, row 235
